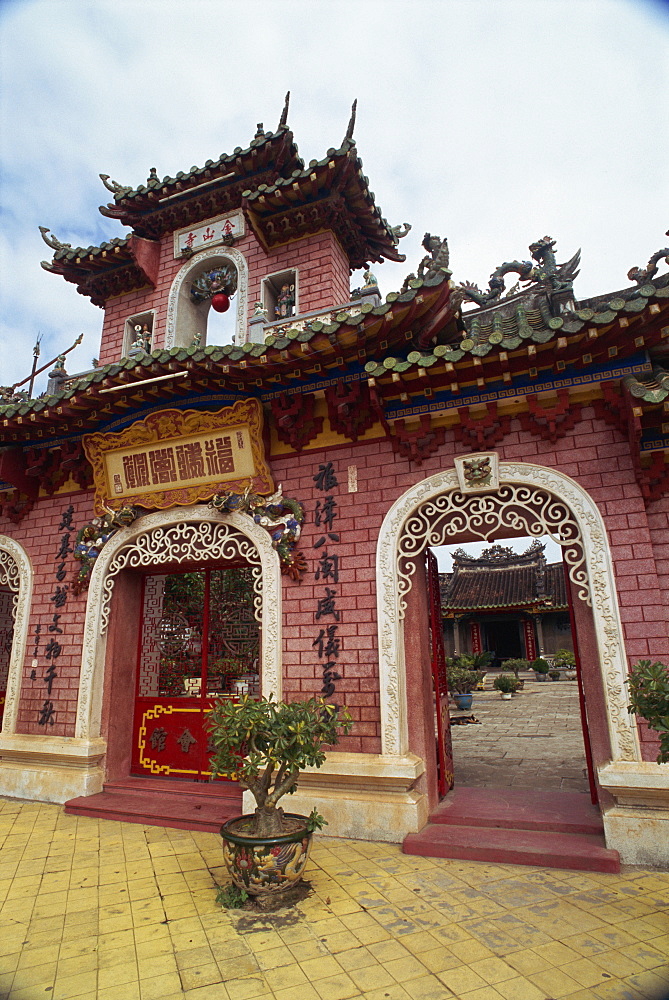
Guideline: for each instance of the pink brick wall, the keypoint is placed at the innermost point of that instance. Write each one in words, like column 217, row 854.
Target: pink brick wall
column 595, row 455
column 41, row 537
column 323, row 282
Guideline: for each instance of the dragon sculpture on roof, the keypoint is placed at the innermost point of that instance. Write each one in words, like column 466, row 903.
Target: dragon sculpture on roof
column 552, row 277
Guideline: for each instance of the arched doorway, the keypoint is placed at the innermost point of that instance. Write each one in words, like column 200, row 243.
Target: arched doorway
column 157, row 546
column 530, row 500
column 16, row 583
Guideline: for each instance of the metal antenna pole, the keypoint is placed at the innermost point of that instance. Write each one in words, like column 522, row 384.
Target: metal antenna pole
column 36, row 352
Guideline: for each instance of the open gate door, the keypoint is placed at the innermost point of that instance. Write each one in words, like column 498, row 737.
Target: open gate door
column 199, row 641
column 443, row 724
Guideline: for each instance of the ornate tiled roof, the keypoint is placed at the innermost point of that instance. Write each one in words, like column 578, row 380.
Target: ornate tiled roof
column 501, row 578
column 654, row 389
column 282, row 198
column 332, row 193
column 318, row 351
column 525, row 319
column 159, row 206
column 113, row 268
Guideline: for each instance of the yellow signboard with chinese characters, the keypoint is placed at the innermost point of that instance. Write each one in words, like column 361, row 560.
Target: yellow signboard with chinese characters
column 177, row 457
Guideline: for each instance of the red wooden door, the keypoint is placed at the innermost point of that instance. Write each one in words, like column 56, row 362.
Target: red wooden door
column 198, row 641
column 442, row 720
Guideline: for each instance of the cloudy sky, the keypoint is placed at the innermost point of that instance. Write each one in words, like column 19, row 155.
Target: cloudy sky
column 492, row 122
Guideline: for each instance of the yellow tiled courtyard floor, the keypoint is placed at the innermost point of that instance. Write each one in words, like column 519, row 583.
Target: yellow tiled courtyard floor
column 117, row 911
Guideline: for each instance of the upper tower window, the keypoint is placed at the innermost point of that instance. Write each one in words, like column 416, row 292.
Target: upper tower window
column 280, row 295
column 208, row 300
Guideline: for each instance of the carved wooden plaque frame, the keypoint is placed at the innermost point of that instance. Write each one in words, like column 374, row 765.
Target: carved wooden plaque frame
column 179, row 457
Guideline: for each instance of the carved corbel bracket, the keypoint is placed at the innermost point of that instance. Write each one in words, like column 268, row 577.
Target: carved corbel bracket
column 294, row 418
column 419, row 444
column 611, row 407
column 17, row 506
column 350, row 408
column 479, row 435
column 619, row 408
column 655, row 478
column 550, row 422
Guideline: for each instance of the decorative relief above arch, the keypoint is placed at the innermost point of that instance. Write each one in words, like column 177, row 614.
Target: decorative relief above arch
column 531, row 499
column 520, row 509
column 16, row 572
column 176, row 536
column 179, row 295
column 10, row 576
column 178, row 543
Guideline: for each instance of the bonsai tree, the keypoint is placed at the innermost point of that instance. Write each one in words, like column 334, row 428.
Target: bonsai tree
column 540, row 666
column 649, row 693
column 515, row 665
column 461, row 680
column 265, row 744
column 565, row 659
column 505, row 683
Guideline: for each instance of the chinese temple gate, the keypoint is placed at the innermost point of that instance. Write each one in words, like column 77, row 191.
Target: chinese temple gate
column 188, row 519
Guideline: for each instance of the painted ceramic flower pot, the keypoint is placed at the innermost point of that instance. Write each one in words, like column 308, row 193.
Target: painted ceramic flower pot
column 506, row 696
column 463, row 701
column 262, row 865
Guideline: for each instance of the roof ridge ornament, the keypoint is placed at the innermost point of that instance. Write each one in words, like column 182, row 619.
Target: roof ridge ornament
column 52, row 242
column 552, row 277
column 399, row 232
column 116, row 189
column 436, row 259
column 641, row 276
column 351, row 123
column 284, row 114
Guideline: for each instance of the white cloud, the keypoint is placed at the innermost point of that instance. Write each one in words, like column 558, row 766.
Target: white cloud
column 491, row 123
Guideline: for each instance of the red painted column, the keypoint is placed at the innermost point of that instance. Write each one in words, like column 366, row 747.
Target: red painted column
column 530, row 642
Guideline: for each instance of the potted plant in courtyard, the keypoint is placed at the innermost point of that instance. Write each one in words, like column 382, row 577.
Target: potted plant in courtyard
column 265, row 745
column 461, row 682
column 649, row 695
column 506, row 685
column 565, row 662
column 515, row 666
column 540, row 667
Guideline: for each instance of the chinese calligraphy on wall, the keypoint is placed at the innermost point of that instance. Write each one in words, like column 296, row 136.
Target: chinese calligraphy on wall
column 327, row 642
column 46, row 715
column 223, row 229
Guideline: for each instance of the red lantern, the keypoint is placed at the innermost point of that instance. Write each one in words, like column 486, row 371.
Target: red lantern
column 220, row 302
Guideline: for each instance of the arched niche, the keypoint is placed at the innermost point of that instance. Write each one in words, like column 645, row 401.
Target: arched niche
column 185, row 318
column 16, row 573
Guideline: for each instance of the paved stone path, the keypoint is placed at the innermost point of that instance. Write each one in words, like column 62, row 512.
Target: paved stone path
column 99, row 910
column 533, row 741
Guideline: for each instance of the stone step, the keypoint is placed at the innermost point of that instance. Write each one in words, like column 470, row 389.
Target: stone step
column 519, row 809
column 582, row 852
column 185, row 805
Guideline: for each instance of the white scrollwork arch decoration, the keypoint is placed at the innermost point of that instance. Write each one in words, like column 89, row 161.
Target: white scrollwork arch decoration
column 515, row 509
column 184, row 542
column 16, row 572
column 189, row 534
column 179, row 323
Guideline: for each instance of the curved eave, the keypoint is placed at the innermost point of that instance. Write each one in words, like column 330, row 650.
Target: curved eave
column 141, row 208
column 272, row 207
column 538, row 605
column 321, row 350
column 577, row 340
